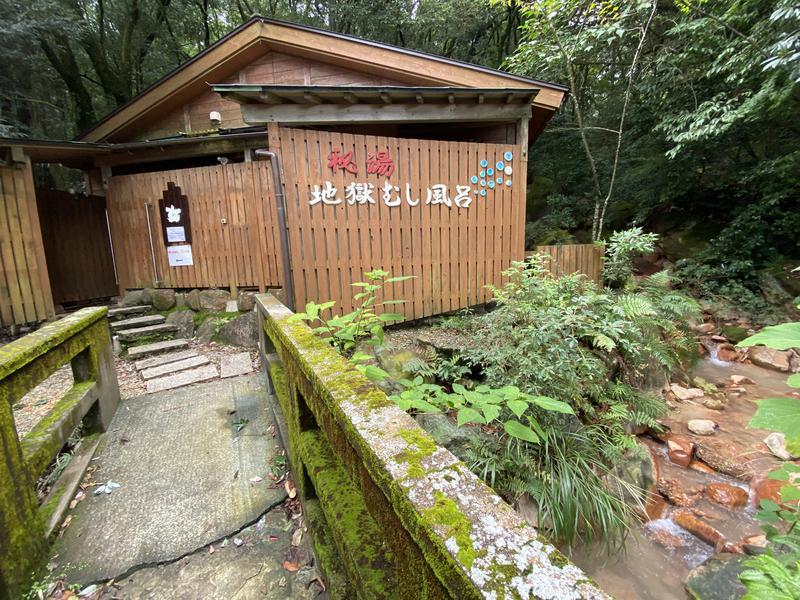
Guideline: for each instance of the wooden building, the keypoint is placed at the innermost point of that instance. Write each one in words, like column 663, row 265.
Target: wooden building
column 283, row 156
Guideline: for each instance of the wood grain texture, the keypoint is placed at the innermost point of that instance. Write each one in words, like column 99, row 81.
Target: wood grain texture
column 575, row 258
column 25, row 294
column 453, row 253
column 241, row 252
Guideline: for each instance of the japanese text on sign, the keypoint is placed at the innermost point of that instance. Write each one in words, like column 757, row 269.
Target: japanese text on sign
column 390, row 195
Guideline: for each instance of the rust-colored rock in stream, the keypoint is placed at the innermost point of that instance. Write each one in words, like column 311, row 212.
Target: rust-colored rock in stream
column 766, row 489
column 680, row 450
column 700, row 467
column 727, row 353
column 671, row 490
column 726, row 495
column 719, row 461
column 700, row 529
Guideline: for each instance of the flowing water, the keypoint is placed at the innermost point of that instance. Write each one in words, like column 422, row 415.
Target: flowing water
column 659, row 554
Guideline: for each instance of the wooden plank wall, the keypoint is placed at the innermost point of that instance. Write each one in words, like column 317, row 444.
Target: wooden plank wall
column 76, row 245
column 452, row 252
column 575, row 258
column 24, row 284
column 242, row 252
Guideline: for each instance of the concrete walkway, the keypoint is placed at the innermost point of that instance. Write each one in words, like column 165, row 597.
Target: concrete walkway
column 195, row 514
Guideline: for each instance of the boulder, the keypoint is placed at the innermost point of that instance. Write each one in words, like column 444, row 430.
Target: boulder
column 680, row 450
column 724, row 458
column 705, row 328
column 162, row 299
column 638, row 469
column 727, row 353
column 702, row 426
column 397, row 362
column 729, row 496
column 777, row 360
column 207, row 330
column 766, row 489
column 184, row 321
column 445, row 432
column 755, row 544
column 776, row 442
column 136, row 298
column 700, row 529
column 180, row 299
column 193, row 300
column 682, row 393
column 714, row 404
column 741, row 380
column 772, row 290
column 214, row 300
column 246, row 301
column 700, row 467
column 672, row 491
column 734, row 333
column 717, row 578
column 240, row 331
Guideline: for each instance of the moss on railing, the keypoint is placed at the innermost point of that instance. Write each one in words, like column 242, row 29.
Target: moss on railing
column 429, row 529
column 82, row 340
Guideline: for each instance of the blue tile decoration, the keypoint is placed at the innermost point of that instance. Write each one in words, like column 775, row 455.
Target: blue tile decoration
column 484, row 163
column 483, row 183
column 491, row 183
column 508, row 170
column 500, row 180
column 483, row 192
column 482, row 173
column 508, row 155
column 500, row 165
column 489, row 172
column 508, row 182
column 474, row 179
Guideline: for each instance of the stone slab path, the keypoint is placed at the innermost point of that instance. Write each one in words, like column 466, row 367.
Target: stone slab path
column 187, row 479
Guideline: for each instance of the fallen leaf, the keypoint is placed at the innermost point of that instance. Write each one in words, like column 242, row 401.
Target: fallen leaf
column 211, row 549
column 87, row 591
column 273, row 538
column 290, row 489
column 297, row 536
column 238, row 541
column 290, row 566
column 256, row 479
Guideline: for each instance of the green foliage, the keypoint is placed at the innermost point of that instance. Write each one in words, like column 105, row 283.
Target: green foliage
column 364, row 323
column 507, row 408
column 622, row 247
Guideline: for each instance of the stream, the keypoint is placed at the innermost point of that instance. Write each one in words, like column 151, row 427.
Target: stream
column 659, row 554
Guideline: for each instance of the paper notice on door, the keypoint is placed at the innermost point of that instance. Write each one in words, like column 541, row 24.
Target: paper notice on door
column 180, row 256
column 176, row 234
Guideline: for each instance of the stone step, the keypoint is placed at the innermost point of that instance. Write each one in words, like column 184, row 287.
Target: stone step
column 122, row 311
column 156, row 348
column 182, row 378
column 174, row 367
column 163, row 359
column 235, row 364
column 137, row 322
column 129, row 335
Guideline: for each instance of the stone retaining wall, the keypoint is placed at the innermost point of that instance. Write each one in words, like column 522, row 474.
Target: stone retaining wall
column 392, row 514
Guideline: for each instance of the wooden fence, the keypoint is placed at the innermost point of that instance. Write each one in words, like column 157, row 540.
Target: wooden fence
column 81, row 339
column 452, row 252
column 24, row 284
column 77, row 246
column 575, row 258
column 234, row 233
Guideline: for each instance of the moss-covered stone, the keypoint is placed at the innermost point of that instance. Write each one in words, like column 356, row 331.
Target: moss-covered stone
column 445, row 513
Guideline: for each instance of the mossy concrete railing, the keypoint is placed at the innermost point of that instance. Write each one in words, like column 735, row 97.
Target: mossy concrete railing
column 392, row 514
column 83, row 340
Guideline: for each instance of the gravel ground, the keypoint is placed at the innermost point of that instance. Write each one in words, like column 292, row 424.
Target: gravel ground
column 36, row 403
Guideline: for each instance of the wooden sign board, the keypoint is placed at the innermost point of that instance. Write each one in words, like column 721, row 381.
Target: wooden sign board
column 175, row 220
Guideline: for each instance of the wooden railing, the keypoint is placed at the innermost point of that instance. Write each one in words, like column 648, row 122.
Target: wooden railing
column 81, row 339
column 393, row 515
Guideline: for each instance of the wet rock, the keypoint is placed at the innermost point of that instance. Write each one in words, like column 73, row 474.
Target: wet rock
column 193, row 300
column 766, row 489
column 240, row 331
column 705, row 328
column 777, row 360
column 682, row 393
column 672, row 491
column 707, row 387
column 207, row 330
column 162, row 299
column 734, row 333
column 714, row 404
column 638, row 469
column 136, row 298
column 755, row 544
column 729, row 496
column 717, row 579
column 399, row 363
column 728, row 353
column 668, row 539
column 702, row 426
column 680, row 450
column 700, row 529
column 701, row 467
column 721, row 460
column 776, row 442
column 214, row 300
column 184, row 321
column 246, row 301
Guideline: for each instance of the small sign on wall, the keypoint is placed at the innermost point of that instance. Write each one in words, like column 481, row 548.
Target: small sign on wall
column 180, row 256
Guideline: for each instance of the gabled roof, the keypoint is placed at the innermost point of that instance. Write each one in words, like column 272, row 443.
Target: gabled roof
column 260, row 35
